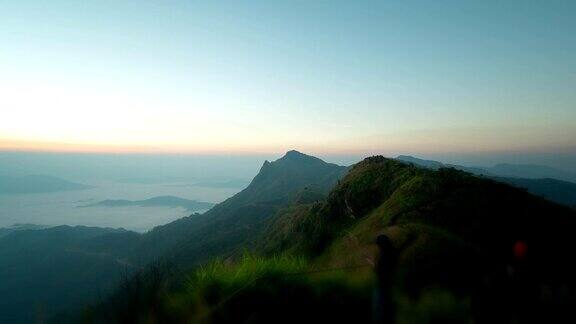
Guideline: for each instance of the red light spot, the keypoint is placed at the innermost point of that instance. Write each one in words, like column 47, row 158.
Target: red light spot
column 520, row 250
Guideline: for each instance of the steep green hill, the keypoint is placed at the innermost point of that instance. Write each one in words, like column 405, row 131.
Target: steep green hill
column 45, row 266
column 452, row 229
column 454, row 233
column 237, row 220
column 379, row 193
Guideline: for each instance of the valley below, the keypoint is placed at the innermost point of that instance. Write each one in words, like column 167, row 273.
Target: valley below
column 62, row 208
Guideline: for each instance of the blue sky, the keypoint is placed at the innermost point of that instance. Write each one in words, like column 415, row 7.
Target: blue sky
column 266, row 76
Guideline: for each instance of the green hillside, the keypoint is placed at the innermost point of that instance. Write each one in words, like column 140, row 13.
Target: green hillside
column 237, row 220
column 313, row 259
column 45, row 266
column 537, row 180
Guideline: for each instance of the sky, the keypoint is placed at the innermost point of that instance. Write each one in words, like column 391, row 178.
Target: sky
column 328, row 77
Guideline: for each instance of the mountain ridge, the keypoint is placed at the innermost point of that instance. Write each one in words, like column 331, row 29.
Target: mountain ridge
column 238, row 217
column 453, row 233
column 442, row 221
column 559, row 191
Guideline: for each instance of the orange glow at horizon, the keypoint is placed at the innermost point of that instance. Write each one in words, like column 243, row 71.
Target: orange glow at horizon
column 437, row 141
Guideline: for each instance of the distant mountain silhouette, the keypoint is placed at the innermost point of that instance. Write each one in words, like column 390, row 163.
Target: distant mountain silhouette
column 425, row 163
column 505, row 170
column 19, row 227
column 161, row 201
column 536, row 180
column 531, row 171
column 37, row 184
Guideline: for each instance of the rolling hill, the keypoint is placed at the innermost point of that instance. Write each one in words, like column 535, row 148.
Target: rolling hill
column 538, row 180
column 455, row 235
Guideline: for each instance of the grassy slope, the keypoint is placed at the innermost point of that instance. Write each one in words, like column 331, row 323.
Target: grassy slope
column 379, row 193
column 236, row 221
column 252, row 289
column 452, row 230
